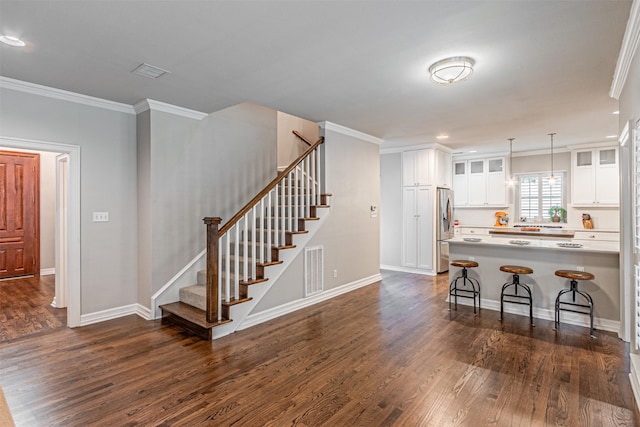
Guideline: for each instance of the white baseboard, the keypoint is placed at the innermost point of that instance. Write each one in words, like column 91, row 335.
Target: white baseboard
column 114, row 313
column 47, row 271
column 263, row 316
column 546, row 314
column 408, row 270
column 634, row 376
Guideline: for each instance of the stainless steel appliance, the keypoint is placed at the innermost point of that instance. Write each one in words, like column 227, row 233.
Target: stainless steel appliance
column 444, row 227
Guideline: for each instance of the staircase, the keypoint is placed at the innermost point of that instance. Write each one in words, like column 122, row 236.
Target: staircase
column 250, row 249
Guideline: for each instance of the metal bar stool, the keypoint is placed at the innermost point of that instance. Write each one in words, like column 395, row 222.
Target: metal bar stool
column 473, row 288
column 524, row 298
column 574, row 276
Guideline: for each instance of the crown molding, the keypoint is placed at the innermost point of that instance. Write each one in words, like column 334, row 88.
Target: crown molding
column 36, row 89
column 404, row 148
column 627, row 50
column 150, row 104
column 349, row 132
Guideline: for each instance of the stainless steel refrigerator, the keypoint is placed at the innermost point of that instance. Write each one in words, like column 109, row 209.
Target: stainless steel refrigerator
column 444, row 228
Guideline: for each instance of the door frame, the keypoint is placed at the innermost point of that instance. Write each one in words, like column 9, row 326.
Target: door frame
column 61, row 253
column 72, row 226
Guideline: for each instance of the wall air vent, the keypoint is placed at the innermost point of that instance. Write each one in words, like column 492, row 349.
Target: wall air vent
column 313, row 268
column 149, row 71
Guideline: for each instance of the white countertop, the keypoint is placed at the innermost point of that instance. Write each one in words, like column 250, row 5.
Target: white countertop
column 535, row 244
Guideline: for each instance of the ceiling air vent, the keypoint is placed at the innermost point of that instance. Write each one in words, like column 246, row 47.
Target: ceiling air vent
column 149, row 71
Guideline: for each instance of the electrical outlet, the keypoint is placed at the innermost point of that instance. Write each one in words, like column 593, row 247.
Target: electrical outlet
column 335, row 273
column 101, row 217
column 580, row 268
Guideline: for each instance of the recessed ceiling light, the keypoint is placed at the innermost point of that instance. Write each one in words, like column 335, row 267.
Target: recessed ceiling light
column 442, row 136
column 611, row 136
column 149, row 71
column 473, row 151
column 12, row 41
column 616, row 112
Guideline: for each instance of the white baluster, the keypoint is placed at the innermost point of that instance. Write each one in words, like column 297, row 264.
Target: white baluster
column 254, row 225
column 290, row 203
column 245, row 252
column 276, row 228
column 219, row 284
column 236, row 266
column 227, row 267
column 261, row 231
column 309, row 185
column 296, row 190
column 268, row 247
column 314, row 197
column 319, row 174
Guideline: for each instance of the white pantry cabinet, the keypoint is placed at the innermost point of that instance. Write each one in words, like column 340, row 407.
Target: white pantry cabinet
column 416, row 167
column 595, row 177
column 417, row 227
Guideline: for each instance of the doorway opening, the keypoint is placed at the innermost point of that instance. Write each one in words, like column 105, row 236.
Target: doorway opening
column 67, row 228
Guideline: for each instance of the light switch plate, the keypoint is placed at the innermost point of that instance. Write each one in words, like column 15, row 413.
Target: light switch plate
column 101, row 217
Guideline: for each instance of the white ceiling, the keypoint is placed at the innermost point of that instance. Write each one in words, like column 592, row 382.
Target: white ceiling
column 541, row 66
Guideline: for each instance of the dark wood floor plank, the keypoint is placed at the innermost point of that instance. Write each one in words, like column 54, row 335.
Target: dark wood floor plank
column 389, row 354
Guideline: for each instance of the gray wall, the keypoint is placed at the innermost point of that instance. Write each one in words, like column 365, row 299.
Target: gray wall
column 350, row 237
column 107, row 141
column 391, row 209
column 199, row 168
column 290, row 147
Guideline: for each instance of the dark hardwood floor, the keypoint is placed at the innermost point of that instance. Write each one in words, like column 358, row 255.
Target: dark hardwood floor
column 387, row 354
column 25, row 307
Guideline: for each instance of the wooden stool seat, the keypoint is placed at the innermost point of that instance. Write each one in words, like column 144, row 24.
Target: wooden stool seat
column 516, row 269
column 464, row 263
column 572, row 305
column 575, row 275
column 521, row 292
column 468, row 288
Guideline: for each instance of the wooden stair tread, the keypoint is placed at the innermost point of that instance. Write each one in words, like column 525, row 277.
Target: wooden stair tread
column 321, row 206
column 284, row 247
column 234, row 301
column 266, row 264
column 191, row 314
column 253, row 281
column 312, row 219
column 298, row 232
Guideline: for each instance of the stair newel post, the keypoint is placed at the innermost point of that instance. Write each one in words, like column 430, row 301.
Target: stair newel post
column 212, row 224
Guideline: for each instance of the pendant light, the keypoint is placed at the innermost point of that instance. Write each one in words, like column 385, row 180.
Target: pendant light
column 512, row 180
column 552, row 179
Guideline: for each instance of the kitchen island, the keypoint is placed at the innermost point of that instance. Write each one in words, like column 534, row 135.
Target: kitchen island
column 545, row 257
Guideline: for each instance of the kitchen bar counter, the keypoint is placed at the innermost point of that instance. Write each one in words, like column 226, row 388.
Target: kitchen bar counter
column 534, row 244
column 544, row 257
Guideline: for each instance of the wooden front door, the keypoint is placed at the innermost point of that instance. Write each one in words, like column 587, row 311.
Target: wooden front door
column 19, row 214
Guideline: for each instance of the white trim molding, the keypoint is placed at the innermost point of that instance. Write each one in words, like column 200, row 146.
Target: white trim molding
column 36, row 89
column 281, row 310
column 47, row 271
column 349, row 132
column 114, row 313
column 150, row 104
column 628, row 48
column 407, row 270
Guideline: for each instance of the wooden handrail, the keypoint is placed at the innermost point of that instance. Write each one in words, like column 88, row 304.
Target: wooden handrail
column 302, row 137
column 269, row 187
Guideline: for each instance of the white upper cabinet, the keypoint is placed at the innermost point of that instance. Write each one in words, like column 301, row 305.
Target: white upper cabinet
column 479, row 183
column 595, row 177
column 443, row 169
column 416, row 167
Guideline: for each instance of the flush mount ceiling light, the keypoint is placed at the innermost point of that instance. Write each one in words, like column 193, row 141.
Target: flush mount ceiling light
column 451, row 70
column 149, row 71
column 442, row 136
column 12, row 41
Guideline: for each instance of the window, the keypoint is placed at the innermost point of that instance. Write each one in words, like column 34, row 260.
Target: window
column 537, row 195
